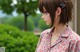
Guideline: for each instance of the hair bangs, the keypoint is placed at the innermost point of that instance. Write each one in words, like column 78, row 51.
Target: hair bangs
column 42, row 4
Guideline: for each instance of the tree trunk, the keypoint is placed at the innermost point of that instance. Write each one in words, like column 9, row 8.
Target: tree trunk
column 25, row 21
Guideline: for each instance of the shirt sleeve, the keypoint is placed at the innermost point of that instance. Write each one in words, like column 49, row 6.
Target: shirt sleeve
column 38, row 42
column 77, row 48
column 41, row 38
column 74, row 46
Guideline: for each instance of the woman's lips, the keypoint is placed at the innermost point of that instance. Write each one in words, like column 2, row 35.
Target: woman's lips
column 44, row 20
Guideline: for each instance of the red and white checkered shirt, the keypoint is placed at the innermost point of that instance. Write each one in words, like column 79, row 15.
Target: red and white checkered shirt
column 68, row 41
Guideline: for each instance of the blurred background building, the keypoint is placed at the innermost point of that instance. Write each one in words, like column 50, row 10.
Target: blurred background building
column 75, row 24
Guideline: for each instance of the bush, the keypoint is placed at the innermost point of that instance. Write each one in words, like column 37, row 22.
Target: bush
column 15, row 40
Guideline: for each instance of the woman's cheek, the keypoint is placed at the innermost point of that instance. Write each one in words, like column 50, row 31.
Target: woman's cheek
column 48, row 22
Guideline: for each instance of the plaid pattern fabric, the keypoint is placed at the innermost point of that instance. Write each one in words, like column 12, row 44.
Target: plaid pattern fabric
column 68, row 41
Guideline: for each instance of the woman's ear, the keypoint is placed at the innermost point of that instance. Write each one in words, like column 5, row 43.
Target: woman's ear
column 58, row 11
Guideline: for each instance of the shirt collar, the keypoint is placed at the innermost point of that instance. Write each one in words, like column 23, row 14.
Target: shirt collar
column 65, row 34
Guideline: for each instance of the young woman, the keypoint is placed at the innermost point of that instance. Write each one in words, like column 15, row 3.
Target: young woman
column 60, row 37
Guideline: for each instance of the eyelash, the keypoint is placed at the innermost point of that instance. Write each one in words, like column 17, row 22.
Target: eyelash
column 45, row 12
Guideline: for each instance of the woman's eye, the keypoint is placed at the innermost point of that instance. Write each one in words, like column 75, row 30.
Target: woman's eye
column 45, row 12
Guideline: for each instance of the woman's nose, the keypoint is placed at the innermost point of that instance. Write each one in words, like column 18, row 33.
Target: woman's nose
column 42, row 16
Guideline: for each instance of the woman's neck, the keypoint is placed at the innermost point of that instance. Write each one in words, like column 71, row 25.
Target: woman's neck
column 59, row 29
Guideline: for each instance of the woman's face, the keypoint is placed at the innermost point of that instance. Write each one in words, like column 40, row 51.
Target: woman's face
column 46, row 17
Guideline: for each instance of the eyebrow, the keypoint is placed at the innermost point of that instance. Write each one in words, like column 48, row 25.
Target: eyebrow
column 44, row 9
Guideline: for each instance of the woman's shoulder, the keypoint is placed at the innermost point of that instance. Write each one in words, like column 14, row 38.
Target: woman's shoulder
column 43, row 33
column 74, row 36
column 74, row 41
column 74, row 44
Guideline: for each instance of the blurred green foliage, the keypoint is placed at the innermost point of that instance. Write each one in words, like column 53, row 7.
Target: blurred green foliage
column 15, row 40
column 35, row 19
column 25, row 7
column 42, row 25
column 18, row 22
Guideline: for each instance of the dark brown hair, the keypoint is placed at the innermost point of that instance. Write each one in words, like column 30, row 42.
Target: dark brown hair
column 51, row 6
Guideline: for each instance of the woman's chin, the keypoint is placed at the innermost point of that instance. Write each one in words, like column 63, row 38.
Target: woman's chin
column 47, row 23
